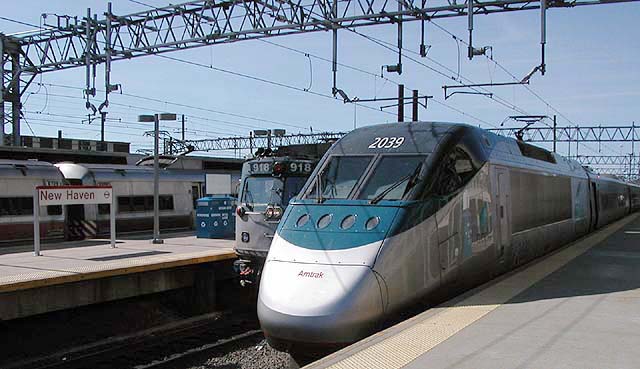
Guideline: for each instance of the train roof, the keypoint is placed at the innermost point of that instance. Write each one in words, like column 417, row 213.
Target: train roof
column 423, row 138
column 110, row 172
column 28, row 168
column 26, row 163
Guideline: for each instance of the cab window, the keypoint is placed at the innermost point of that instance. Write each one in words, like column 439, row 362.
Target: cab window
column 392, row 177
column 339, row 177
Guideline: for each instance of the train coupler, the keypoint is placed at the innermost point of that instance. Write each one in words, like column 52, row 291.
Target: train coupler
column 246, row 272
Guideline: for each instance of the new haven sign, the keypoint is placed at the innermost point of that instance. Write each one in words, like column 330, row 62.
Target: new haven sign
column 72, row 195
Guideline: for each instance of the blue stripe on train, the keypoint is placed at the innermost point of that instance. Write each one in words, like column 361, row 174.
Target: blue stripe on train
column 333, row 236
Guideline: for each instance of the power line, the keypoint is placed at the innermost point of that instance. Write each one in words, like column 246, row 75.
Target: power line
column 279, row 84
column 493, row 97
column 378, row 76
column 195, row 107
column 19, row 22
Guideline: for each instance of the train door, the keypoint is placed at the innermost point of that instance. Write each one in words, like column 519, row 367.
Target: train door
column 77, row 227
column 195, row 195
column 503, row 236
column 593, row 199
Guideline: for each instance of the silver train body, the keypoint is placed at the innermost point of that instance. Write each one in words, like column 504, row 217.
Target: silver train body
column 133, row 186
column 266, row 187
column 400, row 213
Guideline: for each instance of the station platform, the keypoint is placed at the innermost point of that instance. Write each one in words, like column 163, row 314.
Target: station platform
column 91, row 271
column 576, row 308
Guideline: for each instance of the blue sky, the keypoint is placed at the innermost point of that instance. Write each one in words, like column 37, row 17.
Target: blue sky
column 592, row 76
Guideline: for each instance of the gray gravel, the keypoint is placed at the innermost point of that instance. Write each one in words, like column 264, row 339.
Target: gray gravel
column 248, row 354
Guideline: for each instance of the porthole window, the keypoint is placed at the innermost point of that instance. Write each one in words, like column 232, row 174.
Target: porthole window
column 372, row 223
column 324, row 221
column 302, row 220
column 348, row 222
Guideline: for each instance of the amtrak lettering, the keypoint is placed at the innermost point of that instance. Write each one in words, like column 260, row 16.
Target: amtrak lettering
column 310, row 274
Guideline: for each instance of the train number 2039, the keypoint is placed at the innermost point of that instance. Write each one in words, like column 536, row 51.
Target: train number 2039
column 386, row 142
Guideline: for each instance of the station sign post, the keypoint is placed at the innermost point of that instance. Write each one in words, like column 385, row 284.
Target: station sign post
column 71, row 195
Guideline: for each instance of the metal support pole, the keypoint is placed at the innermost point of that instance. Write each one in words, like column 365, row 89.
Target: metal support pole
column 470, row 27
column 334, row 65
column 112, row 220
column 36, row 223
column 182, row 127
column 400, row 103
column 103, row 118
column 543, row 34
column 415, row 106
column 156, row 181
column 87, row 56
column 569, row 144
column 399, row 37
column 268, row 139
column 2, row 88
column 555, row 126
column 577, row 141
column 15, row 102
column 633, row 139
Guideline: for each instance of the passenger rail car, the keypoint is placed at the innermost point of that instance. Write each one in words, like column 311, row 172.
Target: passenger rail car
column 17, row 182
column 133, row 186
column 398, row 213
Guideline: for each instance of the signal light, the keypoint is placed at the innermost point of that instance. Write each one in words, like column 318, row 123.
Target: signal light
column 240, row 210
column 278, row 168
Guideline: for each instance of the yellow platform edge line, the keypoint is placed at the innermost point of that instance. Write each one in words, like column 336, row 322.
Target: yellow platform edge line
column 77, row 276
column 400, row 349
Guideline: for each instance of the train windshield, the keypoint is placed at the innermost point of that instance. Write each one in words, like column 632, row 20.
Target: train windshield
column 339, row 177
column 292, row 186
column 258, row 192
column 392, row 178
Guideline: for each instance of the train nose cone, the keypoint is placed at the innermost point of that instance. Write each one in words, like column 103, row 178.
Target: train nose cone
column 316, row 304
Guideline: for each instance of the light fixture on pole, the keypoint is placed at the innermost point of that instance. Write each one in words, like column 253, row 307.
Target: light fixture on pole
column 156, row 118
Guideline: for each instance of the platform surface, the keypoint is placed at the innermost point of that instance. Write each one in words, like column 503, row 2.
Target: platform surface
column 577, row 308
column 92, row 259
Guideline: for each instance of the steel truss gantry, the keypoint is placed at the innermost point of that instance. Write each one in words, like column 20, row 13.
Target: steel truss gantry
column 253, row 142
column 629, row 133
column 70, row 42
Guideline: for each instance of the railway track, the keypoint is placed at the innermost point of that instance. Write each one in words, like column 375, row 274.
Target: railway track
column 165, row 346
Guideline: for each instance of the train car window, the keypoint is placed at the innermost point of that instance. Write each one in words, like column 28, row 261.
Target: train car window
column 141, row 203
column 541, row 200
column 392, row 177
column 454, row 172
column 292, row 186
column 339, row 177
column 103, row 209
column 258, row 192
column 166, row 202
column 54, row 210
column 535, row 152
column 16, row 206
column 124, row 204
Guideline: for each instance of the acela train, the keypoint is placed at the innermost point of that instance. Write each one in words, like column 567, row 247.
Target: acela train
column 398, row 213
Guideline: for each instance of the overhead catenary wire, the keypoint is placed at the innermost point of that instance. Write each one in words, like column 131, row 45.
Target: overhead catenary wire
column 260, row 79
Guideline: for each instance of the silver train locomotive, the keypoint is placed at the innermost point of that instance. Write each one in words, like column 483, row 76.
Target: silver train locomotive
column 398, row 213
column 266, row 187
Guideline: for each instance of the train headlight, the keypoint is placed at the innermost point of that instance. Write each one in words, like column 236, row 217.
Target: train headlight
column 268, row 214
column 277, row 212
column 241, row 211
